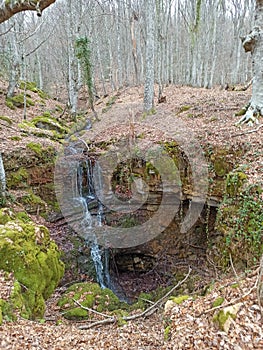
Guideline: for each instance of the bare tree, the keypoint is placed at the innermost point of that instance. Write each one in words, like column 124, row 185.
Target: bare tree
column 253, row 43
column 149, row 64
column 15, row 64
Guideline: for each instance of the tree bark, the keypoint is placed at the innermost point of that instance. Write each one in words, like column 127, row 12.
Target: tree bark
column 149, row 64
column 2, row 181
column 10, row 8
column 14, row 66
column 253, row 43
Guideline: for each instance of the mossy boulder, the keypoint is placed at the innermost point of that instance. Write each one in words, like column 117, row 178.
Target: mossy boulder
column 48, row 122
column 5, row 119
column 27, row 251
column 32, row 86
column 19, row 101
column 49, row 125
column 89, row 295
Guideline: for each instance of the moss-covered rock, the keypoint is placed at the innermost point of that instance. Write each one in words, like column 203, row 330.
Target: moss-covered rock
column 19, row 101
column 27, row 250
column 47, row 122
column 32, row 86
column 226, row 316
column 49, row 125
column 6, row 119
column 89, row 295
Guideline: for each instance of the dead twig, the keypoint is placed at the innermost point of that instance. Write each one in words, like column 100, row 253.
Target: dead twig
column 146, row 313
column 233, row 267
column 91, row 310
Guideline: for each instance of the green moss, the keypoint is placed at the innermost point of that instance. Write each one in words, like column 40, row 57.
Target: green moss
column 1, row 316
column 42, row 94
column 32, row 86
column 219, row 301
column 167, row 333
column 221, row 167
column 35, row 147
column 76, row 313
column 239, row 221
column 5, row 216
column 18, row 101
column 184, row 108
column 17, row 179
column 27, row 251
column 90, row 295
column 6, row 119
column 178, row 300
column 32, row 203
column 28, row 85
column 6, row 310
column 47, row 122
column 9, row 104
column 152, row 111
column 16, row 138
column 241, row 112
column 58, row 108
column 23, row 216
column 221, row 318
column 234, row 182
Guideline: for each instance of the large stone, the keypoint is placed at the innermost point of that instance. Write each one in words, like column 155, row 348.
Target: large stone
column 27, row 251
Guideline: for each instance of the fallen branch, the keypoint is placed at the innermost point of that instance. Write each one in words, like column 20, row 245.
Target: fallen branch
column 149, row 311
column 249, row 131
column 91, row 310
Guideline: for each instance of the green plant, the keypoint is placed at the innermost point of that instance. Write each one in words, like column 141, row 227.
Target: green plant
column 240, row 220
column 83, row 53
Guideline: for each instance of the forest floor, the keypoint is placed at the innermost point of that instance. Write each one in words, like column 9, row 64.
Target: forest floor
column 208, row 115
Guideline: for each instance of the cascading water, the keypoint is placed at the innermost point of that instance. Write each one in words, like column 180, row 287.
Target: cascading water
column 87, row 195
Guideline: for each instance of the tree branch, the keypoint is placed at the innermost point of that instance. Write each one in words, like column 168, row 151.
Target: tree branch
column 10, row 8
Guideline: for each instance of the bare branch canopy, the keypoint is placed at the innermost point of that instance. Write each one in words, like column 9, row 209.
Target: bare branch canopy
column 8, row 8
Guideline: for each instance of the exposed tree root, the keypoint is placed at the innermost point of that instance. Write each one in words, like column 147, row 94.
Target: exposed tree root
column 250, row 117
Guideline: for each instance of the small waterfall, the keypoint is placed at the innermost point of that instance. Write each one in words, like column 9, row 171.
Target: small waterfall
column 87, row 195
column 96, row 255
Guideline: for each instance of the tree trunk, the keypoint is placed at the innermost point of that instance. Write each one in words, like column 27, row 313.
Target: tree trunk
column 149, row 64
column 14, row 67
column 2, row 181
column 253, row 43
